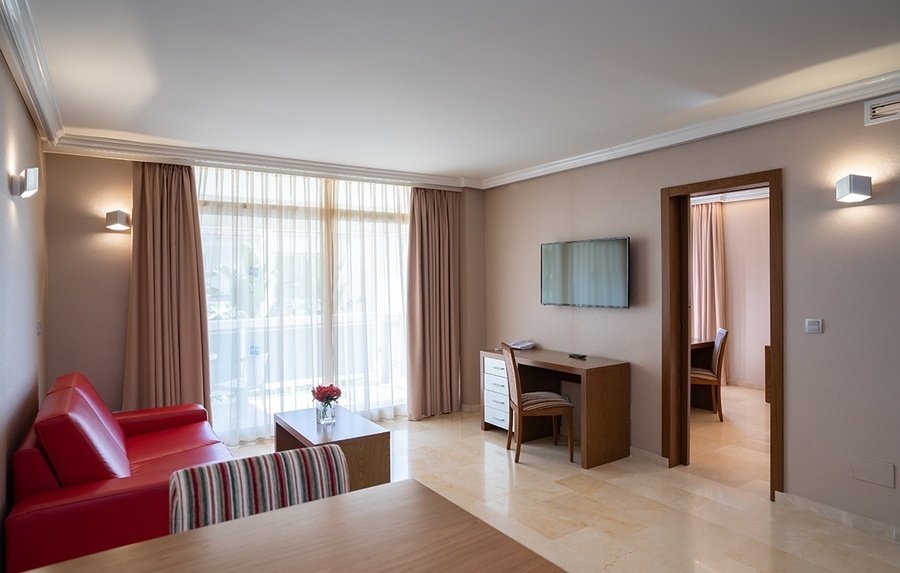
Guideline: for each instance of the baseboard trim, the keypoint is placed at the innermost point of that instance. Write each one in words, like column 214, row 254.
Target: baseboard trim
column 646, row 456
column 741, row 384
column 862, row 523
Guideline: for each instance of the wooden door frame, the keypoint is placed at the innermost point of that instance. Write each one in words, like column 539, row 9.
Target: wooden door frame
column 675, row 299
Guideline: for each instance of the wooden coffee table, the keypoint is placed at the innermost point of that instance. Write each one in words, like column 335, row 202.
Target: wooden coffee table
column 366, row 445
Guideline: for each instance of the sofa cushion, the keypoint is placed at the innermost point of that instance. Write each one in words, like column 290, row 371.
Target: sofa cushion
column 78, row 445
column 189, row 458
column 145, row 447
column 78, row 381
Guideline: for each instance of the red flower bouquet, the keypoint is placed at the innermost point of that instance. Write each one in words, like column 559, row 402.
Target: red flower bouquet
column 326, row 394
column 326, row 398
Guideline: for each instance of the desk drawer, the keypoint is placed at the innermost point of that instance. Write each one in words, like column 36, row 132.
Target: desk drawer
column 499, row 418
column 495, row 384
column 495, row 366
column 496, row 400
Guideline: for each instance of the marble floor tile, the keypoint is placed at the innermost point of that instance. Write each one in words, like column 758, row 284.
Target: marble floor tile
column 634, row 515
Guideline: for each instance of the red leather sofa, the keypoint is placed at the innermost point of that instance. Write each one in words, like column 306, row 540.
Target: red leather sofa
column 86, row 479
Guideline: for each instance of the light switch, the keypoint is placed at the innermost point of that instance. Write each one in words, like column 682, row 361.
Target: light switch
column 814, row 325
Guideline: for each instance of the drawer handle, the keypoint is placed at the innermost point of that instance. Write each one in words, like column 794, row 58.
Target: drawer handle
column 498, row 368
column 502, row 403
column 495, row 385
column 496, row 419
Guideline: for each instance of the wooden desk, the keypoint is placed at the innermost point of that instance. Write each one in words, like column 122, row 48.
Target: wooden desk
column 605, row 399
column 366, row 445
column 701, row 352
column 402, row 526
column 701, row 357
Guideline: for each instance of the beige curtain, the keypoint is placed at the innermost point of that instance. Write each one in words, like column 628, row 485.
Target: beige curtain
column 707, row 270
column 167, row 350
column 434, row 303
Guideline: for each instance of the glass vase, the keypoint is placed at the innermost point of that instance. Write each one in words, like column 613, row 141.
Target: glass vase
column 325, row 412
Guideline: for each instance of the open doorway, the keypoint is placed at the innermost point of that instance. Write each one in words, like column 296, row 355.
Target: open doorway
column 729, row 288
column 676, row 334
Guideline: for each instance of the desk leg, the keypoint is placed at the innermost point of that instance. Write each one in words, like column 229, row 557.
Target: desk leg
column 605, row 416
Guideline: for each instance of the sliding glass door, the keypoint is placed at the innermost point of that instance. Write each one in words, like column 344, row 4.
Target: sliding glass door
column 306, row 285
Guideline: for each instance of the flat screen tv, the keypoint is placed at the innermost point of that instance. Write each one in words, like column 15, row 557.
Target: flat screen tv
column 585, row 273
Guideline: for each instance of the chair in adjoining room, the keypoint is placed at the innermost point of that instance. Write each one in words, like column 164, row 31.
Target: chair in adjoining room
column 209, row 494
column 529, row 404
column 713, row 377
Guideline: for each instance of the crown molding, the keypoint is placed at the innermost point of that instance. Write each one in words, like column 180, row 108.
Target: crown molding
column 135, row 151
column 847, row 93
column 25, row 57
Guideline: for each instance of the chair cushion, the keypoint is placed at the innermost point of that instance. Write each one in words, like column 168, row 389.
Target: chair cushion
column 703, row 374
column 224, row 491
column 532, row 401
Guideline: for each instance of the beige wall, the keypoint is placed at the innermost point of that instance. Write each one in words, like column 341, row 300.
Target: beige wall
column 746, row 226
column 23, row 281
column 89, row 269
column 841, row 264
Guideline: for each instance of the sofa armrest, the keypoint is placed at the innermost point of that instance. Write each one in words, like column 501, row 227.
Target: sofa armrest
column 78, row 520
column 138, row 422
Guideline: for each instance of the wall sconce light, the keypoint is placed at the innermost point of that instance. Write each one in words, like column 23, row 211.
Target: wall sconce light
column 854, row 188
column 118, row 221
column 25, row 184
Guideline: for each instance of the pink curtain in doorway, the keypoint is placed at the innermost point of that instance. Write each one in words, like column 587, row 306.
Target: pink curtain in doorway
column 707, row 270
column 167, row 347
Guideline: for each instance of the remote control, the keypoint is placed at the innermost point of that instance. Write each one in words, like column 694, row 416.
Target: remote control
column 578, row 356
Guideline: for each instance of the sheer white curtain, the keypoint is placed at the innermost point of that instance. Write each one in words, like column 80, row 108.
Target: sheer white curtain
column 306, row 285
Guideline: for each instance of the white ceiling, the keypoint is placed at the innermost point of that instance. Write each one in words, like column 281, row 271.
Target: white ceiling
column 479, row 91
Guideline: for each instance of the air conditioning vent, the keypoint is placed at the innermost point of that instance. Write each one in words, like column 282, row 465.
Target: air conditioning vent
column 883, row 109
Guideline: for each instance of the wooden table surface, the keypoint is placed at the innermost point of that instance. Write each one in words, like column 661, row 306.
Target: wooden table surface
column 400, row 526
column 302, row 425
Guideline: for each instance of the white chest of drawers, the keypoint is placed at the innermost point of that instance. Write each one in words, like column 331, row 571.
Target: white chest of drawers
column 495, row 393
